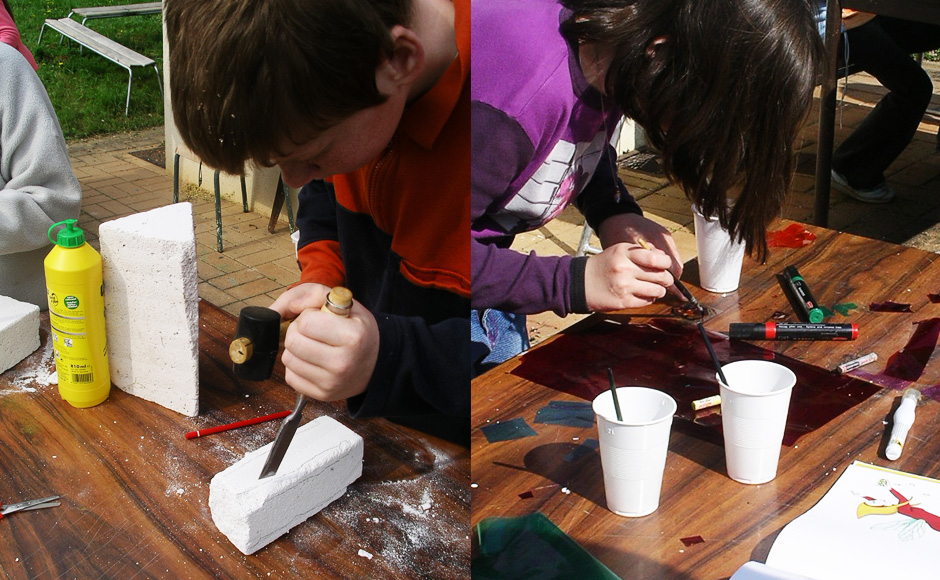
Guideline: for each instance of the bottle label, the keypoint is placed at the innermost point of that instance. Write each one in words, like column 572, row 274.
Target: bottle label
column 70, row 342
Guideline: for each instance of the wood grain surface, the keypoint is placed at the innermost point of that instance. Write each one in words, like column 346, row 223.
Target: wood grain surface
column 135, row 491
column 738, row 522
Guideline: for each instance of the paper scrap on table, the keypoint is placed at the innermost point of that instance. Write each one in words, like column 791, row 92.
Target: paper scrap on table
column 569, row 413
column 505, row 430
column 873, row 523
column 759, row 571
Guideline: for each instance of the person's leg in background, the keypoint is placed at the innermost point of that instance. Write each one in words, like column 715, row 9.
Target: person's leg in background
column 883, row 48
column 495, row 336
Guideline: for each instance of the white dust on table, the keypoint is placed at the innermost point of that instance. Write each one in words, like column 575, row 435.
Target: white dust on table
column 400, row 523
column 36, row 375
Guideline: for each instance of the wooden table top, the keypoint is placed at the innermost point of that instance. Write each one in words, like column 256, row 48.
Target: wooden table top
column 135, row 491
column 737, row 522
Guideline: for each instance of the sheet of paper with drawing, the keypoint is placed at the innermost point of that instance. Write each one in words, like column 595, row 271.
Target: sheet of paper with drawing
column 873, row 523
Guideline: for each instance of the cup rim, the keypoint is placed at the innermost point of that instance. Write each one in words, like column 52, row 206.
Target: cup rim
column 791, row 378
column 668, row 399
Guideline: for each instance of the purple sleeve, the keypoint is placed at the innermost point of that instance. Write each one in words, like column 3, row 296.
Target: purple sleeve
column 500, row 277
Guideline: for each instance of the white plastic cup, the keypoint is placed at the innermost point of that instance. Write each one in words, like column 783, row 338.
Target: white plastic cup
column 633, row 451
column 754, row 407
column 719, row 257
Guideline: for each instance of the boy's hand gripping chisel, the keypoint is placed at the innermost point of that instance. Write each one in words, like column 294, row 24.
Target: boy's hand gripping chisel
column 339, row 301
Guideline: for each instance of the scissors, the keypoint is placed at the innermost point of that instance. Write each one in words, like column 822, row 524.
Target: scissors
column 33, row 504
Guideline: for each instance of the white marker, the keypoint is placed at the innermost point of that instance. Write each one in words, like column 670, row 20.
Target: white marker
column 903, row 420
column 854, row 364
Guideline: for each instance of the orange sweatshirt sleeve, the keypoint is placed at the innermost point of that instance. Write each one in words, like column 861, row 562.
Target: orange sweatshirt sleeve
column 320, row 262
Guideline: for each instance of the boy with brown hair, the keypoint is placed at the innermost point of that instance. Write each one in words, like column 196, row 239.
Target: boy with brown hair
column 366, row 106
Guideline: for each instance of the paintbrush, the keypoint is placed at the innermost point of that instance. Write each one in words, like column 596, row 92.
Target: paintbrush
column 679, row 285
column 711, row 352
column 613, row 393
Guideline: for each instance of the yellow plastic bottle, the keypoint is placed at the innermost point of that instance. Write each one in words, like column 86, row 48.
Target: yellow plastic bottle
column 75, row 291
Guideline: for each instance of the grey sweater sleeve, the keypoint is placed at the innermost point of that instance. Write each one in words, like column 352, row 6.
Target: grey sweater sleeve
column 37, row 184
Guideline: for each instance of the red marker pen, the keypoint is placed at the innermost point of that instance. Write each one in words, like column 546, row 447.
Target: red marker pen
column 792, row 331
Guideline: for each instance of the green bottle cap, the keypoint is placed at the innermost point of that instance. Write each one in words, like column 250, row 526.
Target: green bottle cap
column 71, row 236
column 816, row 315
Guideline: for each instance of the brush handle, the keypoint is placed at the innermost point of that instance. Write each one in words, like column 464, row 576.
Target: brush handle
column 236, row 425
column 711, row 352
column 613, row 393
column 676, row 281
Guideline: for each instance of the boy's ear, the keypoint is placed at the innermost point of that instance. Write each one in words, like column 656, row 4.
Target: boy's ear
column 405, row 64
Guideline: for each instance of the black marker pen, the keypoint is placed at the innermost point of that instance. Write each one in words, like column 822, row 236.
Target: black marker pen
column 808, row 309
column 792, row 331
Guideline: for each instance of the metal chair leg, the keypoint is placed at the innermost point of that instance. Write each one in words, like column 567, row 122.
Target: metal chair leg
column 584, row 245
column 218, row 212
column 290, row 211
column 176, row 178
column 159, row 83
column 244, row 196
column 130, row 80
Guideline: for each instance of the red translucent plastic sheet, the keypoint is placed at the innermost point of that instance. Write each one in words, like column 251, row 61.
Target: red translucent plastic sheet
column 793, row 236
column 889, row 306
column 908, row 364
column 671, row 356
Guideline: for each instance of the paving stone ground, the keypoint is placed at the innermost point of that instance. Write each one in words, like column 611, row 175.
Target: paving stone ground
column 255, row 266
column 120, row 175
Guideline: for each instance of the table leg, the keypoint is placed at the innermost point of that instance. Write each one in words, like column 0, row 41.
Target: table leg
column 827, row 114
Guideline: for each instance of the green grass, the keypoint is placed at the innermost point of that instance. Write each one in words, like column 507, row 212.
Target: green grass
column 87, row 90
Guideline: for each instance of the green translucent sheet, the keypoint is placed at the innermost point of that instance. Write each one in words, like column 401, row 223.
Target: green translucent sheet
column 531, row 547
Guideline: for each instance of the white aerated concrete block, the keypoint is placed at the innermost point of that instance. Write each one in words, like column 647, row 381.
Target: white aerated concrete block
column 151, row 305
column 324, row 457
column 19, row 331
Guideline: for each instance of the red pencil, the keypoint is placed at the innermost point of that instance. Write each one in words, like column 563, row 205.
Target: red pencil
column 237, row 424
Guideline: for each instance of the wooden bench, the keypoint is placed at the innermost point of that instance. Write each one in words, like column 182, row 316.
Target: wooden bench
column 116, row 11
column 104, row 46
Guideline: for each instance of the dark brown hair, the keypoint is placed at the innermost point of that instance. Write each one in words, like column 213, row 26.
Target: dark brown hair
column 721, row 87
column 247, row 74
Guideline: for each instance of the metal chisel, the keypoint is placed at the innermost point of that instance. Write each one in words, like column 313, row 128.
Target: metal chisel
column 339, row 301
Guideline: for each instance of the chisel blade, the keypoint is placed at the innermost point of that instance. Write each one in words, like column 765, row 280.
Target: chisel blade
column 284, row 437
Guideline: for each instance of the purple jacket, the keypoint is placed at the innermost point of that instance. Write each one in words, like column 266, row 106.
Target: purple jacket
column 540, row 141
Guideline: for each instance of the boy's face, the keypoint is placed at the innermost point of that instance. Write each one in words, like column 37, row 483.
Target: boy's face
column 342, row 148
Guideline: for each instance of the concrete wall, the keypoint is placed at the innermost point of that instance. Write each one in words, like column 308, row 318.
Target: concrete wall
column 260, row 183
column 632, row 137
